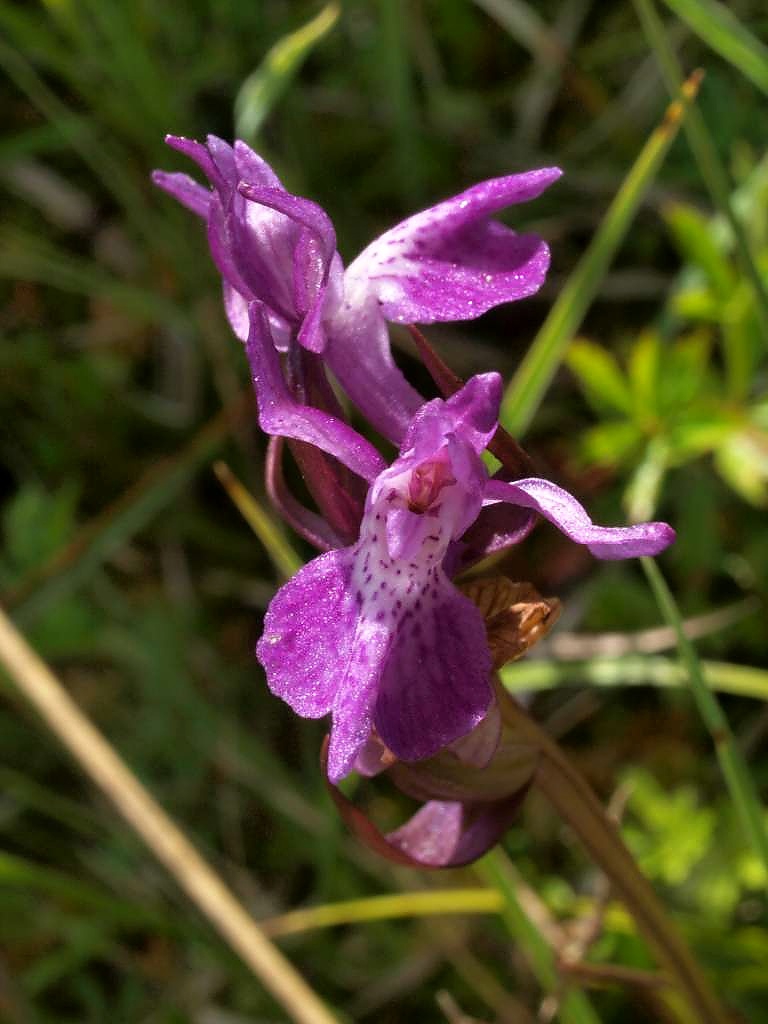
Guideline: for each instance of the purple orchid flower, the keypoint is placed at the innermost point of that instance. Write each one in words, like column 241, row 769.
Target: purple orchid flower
column 450, row 262
column 376, row 634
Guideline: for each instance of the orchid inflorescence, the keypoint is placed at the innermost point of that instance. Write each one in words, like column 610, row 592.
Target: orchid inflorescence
column 374, row 632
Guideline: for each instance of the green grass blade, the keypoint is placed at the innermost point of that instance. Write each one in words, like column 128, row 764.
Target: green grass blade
column 574, row 1008
column 76, row 563
column 283, row 556
column 633, row 670
column 529, row 384
column 712, row 169
column 263, row 88
column 721, row 29
column 732, row 764
column 386, row 907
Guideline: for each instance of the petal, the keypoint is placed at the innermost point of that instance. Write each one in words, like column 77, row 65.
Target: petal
column 451, row 262
column 442, row 834
column 309, row 629
column 359, row 355
column 435, row 681
column 186, row 190
column 196, row 151
column 562, row 509
column 406, row 532
column 446, row 834
column 281, row 414
column 355, row 696
column 498, row 527
column 303, row 211
column 471, row 413
column 252, row 168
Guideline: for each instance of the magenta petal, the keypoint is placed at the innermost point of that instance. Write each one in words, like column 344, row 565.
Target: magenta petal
column 301, row 211
column 498, row 527
column 198, row 152
column 308, row 633
column 280, row 414
column 451, row 262
column 445, row 834
column 249, row 166
column 355, row 696
column 435, row 683
column 185, row 190
column 471, row 414
column 359, row 355
column 562, row 509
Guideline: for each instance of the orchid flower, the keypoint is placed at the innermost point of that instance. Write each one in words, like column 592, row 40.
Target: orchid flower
column 449, row 262
column 376, row 634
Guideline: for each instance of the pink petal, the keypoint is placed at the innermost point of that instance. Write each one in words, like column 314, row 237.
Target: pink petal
column 451, row 262
column 569, row 516
column 435, row 682
column 309, row 630
column 280, row 414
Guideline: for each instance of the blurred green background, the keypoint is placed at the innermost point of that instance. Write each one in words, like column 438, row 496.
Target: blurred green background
column 128, row 567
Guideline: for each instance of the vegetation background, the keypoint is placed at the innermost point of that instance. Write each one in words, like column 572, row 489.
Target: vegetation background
column 130, row 570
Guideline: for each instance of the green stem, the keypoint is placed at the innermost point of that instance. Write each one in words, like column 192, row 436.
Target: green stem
column 711, row 166
column 732, row 764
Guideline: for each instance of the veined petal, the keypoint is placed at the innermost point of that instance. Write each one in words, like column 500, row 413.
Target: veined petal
column 569, row 516
column 280, row 414
column 309, row 630
column 434, row 685
column 451, row 262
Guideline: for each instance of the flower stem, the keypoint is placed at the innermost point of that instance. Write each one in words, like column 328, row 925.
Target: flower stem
column 573, row 799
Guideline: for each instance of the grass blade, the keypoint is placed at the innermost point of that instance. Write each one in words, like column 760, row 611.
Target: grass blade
column 712, row 169
column 263, row 88
column 266, row 528
column 732, row 764
column 721, row 29
column 633, row 670
column 529, row 384
column 70, row 567
column 382, row 908
column 167, row 842
column 575, row 1008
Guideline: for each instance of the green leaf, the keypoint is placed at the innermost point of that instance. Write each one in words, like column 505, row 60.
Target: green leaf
column 742, row 461
column 643, row 369
column 263, row 88
column 695, row 238
column 611, row 443
column 684, row 373
column 36, row 524
column 721, row 29
column 601, row 379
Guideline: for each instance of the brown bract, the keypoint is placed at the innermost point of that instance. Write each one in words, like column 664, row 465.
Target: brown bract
column 516, row 615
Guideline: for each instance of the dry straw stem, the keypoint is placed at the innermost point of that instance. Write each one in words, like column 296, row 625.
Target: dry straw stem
column 169, row 844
